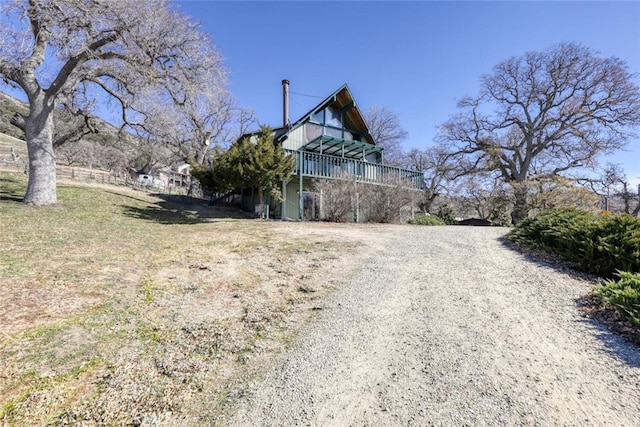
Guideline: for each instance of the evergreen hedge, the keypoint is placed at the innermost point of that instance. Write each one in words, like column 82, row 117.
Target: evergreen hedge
column 426, row 220
column 606, row 245
column 602, row 245
column 624, row 295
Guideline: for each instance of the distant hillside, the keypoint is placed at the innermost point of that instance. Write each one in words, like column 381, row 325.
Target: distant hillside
column 107, row 133
column 109, row 148
column 8, row 107
column 13, row 153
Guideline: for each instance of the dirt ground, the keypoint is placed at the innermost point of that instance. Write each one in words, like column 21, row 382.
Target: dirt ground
column 224, row 321
column 118, row 307
column 448, row 326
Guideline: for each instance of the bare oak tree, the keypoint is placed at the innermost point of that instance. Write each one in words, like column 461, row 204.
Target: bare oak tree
column 384, row 126
column 616, row 191
column 543, row 114
column 482, row 195
column 433, row 162
column 64, row 50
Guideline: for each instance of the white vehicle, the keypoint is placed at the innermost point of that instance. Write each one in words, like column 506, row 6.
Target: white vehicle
column 149, row 181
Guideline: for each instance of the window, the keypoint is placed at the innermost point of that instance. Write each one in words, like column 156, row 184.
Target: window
column 312, row 132
column 333, row 132
column 333, row 117
column 331, row 120
column 330, row 116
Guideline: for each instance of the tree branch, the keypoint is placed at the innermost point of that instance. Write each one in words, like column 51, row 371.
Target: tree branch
column 73, row 62
column 18, row 121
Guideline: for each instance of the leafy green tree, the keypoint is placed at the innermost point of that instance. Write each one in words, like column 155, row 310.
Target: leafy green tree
column 216, row 177
column 256, row 162
column 446, row 214
column 264, row 164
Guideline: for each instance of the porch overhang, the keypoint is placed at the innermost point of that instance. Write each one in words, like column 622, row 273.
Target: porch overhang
column 336, row 146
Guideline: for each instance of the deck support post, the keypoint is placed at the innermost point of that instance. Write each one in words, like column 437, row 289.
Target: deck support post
column 300, row 198
column 283, row 207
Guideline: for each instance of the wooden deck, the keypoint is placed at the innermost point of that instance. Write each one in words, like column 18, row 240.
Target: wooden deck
column 317, row 165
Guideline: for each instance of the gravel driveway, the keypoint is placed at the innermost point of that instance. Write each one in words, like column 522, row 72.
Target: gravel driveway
column 447, row 326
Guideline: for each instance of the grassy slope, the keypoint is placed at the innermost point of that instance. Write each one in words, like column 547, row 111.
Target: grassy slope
column 8, row 107
column 118, row 307
column 8, row 142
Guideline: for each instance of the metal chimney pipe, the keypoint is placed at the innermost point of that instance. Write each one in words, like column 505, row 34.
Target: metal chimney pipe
column 285, row 103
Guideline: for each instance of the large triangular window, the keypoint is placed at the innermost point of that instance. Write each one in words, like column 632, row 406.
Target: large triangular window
column 332, row 124
column 329, row 116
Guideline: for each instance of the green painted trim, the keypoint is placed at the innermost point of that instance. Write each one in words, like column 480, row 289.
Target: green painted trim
column 322, row 160
column 283, row 208
column 300, row 198
column 322, row 105
column 347, row 147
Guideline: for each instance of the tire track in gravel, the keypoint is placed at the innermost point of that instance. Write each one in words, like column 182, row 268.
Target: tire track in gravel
column 447, row 326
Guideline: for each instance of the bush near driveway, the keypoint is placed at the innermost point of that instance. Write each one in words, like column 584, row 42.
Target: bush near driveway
column 602, row 245
column 606, row 245
column 426, row 220
column 624, row 296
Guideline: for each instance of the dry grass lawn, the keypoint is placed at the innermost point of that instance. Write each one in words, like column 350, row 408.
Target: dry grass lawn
column 122, row 307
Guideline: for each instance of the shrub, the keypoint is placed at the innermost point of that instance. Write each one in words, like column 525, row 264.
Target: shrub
column 343, row 196
column 426, row 220
column 384, row 203
column 624, row 295
column 337, row 196
column 616, row 244
column 446, row 214
column 599, row 244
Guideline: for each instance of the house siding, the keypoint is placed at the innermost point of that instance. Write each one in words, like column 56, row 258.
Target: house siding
column 295, row 140
column 292, row 210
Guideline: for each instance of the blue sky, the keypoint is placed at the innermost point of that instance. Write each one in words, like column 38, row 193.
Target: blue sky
column 416, row 58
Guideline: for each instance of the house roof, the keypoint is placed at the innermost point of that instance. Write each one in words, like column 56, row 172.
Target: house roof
column 342, row 100
column 352, row 118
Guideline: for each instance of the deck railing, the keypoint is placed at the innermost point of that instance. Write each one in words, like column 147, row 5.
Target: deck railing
column 325, row 166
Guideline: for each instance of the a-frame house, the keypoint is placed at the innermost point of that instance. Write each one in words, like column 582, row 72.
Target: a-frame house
column 331, row 141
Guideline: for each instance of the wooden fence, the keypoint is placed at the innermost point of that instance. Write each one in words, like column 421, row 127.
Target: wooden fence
column 96, row 175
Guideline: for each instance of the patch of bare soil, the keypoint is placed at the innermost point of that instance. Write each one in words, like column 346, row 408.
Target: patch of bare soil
column 592, row 307
column 172, row 334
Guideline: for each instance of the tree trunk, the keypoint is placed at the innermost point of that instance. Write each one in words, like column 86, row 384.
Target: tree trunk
column 200, row 154
column 41, row 189
column 199, row 158
column 427, row 201
column 520, row 207
column 261, row 200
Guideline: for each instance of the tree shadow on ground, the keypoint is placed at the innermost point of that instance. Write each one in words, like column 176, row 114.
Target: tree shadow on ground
column 179, row 209
column 9, row 190
column 545, row 259
column 612, row 329
column 10, row 198
column 620, row 337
